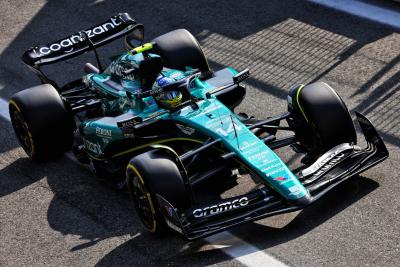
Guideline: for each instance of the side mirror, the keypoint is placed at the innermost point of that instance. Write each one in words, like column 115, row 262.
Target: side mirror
column 135, row 38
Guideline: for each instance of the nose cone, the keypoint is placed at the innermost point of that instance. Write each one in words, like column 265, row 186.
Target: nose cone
column 301, row 202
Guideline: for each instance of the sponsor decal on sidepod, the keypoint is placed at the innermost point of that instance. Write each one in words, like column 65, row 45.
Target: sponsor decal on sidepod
column 95, row 148
column 103, row 132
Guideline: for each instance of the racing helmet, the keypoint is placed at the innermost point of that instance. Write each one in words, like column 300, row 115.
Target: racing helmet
column 167, row 99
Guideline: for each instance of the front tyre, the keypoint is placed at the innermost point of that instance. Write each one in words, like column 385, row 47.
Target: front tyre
column 153, row 173
column 41, row 122
column 319, row 118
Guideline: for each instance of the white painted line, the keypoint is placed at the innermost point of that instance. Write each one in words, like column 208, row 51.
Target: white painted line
column 242, row 251
column 364, row 10
column 4, row 109
column 230, row 244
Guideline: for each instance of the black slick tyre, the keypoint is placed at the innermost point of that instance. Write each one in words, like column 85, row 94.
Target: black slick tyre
column 179, row 49
column 153, row 173
column 41, row 122
column 319, row 118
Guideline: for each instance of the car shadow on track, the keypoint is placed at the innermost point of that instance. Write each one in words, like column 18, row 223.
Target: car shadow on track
column 262, row 236
column 95, row 212
column 14, row 177
column 311, row 217
column 8, row 142
column 84, row 207
column 78, row 198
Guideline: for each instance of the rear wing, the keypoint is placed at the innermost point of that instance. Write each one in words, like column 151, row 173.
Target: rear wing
column 76, row 44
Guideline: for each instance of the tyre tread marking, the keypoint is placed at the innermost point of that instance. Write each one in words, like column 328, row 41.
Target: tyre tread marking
column 133, row 169
column 12, row 103
column 298, row 102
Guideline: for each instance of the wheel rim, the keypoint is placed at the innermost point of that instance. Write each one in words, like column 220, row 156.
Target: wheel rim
column 143, row 203
column 22, row 132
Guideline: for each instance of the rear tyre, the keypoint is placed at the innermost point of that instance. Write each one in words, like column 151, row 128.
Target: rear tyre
column 154, row 173
column 319, row 118
column 180, row 49
column 42, row 124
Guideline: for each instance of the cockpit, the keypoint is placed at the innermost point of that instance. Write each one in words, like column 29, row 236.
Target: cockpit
column 130, row 72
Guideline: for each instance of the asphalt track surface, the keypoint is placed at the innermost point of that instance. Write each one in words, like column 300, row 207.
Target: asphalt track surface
column 58, row 213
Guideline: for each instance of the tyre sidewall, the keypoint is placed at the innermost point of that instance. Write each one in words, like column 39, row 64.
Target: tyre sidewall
column 180, row 49
column 321, row 120
column 161, row 176
column 48, row 120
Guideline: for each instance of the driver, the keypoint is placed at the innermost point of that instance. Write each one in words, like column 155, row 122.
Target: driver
column 167, row 99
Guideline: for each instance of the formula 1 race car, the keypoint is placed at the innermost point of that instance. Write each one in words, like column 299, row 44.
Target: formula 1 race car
column 159, row 122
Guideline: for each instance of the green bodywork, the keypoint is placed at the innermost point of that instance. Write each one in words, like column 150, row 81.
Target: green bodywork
column 216, row 120
column 211, row 119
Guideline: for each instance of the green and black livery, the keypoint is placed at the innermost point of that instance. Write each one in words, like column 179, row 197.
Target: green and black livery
column 113, row 124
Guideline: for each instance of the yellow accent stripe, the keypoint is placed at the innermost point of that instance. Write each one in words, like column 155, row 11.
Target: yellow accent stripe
column 30, row 139
column 153, row 211
column 154, row 143
column 298, row 103
column 167, row 148
column 151, row 203
column 12, row 102
column 133, row 168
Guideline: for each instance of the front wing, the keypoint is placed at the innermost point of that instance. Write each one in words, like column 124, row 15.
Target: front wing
column 331, row 169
